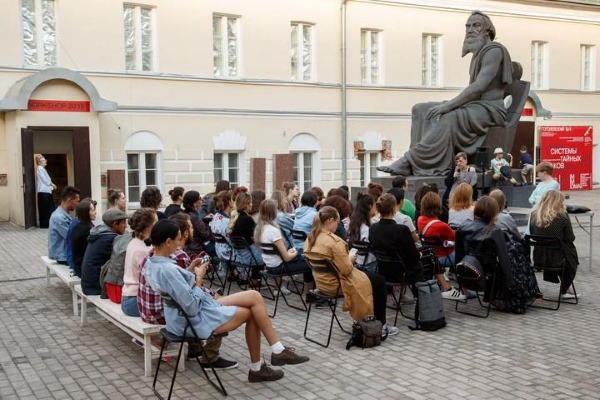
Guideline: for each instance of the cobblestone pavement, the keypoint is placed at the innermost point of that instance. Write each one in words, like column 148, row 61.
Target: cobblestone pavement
column 45, row 354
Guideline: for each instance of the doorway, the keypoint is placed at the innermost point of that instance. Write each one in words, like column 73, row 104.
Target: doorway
column 67, row 151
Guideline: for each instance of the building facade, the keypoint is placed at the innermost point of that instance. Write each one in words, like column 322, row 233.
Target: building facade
column 186, row 92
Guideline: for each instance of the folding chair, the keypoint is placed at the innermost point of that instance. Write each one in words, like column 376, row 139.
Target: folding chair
column 324, row 267
column 393, row 258
column 239, row 243
column 364, row 250
column 169, row 337
column 213, row 273
column 435, row 242
column 270, row 248
column 299, row 235
column 552, row 245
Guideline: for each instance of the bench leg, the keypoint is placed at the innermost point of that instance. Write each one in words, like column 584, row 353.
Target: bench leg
column 147, row 355
column 75, row 301
column 83, row 311
column 47, row 276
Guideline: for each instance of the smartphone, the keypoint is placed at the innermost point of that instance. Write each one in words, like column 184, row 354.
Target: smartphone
column 353, row 251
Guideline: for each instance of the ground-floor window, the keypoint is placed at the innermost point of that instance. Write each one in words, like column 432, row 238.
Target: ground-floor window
column 142, row 172
column 227, row 167
column 303, row 169
column 368, row 166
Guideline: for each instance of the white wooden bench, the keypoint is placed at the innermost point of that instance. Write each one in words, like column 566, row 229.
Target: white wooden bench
column 133, row 326
column 63, row 273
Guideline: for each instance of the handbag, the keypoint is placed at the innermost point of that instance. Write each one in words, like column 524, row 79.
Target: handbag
column 430, row 264
column 366, row 333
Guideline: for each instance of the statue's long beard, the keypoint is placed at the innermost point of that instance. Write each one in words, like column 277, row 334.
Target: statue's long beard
column 473, row 44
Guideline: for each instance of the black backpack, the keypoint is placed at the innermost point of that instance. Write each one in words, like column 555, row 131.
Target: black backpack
column 366, row 333
column 429, row 310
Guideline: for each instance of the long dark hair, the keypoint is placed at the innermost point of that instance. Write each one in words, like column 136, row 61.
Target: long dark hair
column 189, row 198
column 360, row 215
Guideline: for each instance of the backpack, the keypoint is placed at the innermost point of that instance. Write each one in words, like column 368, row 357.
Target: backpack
column 470, row 274
column 366, row 333
column 429, row 310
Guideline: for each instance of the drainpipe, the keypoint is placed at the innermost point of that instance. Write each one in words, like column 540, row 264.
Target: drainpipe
column 344, row 115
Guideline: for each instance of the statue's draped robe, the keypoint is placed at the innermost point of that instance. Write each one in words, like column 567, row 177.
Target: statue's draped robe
column 435, row 141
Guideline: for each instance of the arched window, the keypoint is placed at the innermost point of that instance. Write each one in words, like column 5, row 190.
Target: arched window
column 143, row 149
column 307, row 167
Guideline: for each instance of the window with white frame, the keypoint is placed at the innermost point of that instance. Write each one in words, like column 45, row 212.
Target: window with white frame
column 303, row 170
column 370, row 56
column 305, row 149
column 227, row 167
column 588, row 67
column 431, row 60
column 226, row 46
column 301, row 56
column 369, row 161
column 138, row 23
column 143, row 161
column 539, row 65
column 38, row 25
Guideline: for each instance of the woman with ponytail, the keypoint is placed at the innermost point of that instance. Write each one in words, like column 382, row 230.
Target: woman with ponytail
column 360, row 222
column 176, row 195
column 209, row 315
column 364, row 293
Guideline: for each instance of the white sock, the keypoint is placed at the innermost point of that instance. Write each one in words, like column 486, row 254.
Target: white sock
column 255, row 366
column 277, row 348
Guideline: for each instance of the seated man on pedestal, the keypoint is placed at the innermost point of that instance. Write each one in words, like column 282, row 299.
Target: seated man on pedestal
column 439, row 129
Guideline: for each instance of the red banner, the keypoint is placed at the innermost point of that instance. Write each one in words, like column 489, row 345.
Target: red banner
column 58, row 105
column 569, row 150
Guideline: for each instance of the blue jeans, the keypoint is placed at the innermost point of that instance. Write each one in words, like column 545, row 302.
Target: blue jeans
column 447, row 261
column 129, row 306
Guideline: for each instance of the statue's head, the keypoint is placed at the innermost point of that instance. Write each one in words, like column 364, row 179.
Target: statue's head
column 479, row 31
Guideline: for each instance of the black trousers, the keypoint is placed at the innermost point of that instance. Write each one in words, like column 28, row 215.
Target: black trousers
column 379, row 295
column 45, row 208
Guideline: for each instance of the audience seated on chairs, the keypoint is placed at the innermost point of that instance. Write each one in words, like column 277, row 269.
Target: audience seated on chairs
column 208, row 205
column 305, row 214
column 220, row 222
column 176, row 195
column 210, row 316
column 390, row 237
column 320, row 196
column 399, row 216
column 460, row 209
column 360, row 222
column 549, row 218
column 141, row 222
column 544, row 171
column 58, row 228
column 344, row 209
column 408, row 208
column 99, row 249
column 364, row 293
column 435, row 231
column 152, row 198
column 504, row 220
column 268, row 233
column 284, row 220
column 150, row 302
column 242, row 225
column 203, row 239
column 292, row 194
column 86, row 214
column 257, row 197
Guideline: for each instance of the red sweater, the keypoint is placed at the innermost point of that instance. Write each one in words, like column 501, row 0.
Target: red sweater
column 438, row 229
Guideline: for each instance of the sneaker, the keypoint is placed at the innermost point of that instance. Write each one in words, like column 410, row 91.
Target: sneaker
column 285, row 291
column 390, row 330
column 287, row 356
column 568, row 296
column 453, row 294
column 265, row 374
column 220, row 363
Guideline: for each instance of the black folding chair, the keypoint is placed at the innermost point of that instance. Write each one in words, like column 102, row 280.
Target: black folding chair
column 270, row 248
column 324, row 267
column 239, row 243
column 363, row 250
column 553, row 246
column 435, row 242
column 213, row 273
column 394, row 259
column 299, row 235
column 169, row 337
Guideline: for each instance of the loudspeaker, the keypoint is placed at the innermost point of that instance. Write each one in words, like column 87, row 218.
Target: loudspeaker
column 483, row 155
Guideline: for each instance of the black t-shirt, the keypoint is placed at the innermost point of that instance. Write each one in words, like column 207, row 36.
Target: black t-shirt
column 172, row 209
column 79, row 242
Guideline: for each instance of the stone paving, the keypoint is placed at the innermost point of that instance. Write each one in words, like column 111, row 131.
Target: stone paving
column 45, row 354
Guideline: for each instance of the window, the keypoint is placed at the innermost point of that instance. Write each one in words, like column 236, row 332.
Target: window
column 431, row 61
column 368, row 166
column 588, row 67
column 138, row 24
column 370, row 56
column 302, row 51
column 227, row 166
column 225, row 46
column 303, row 170
column 39, row 32
column 539, row 65
column 142, row 172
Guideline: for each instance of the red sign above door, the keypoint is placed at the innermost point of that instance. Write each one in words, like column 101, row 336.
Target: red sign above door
column 58, row 105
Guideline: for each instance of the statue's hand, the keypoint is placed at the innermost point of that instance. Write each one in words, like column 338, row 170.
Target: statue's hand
column 437, row 111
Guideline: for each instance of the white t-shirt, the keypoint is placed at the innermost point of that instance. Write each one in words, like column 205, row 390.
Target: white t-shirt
column 402, row 219
column 271, row 234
